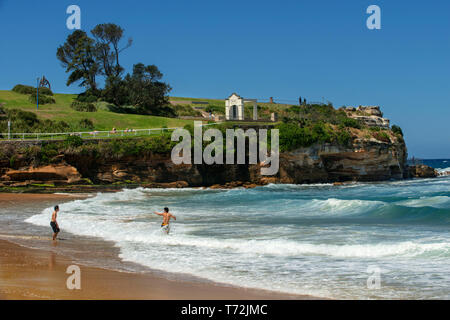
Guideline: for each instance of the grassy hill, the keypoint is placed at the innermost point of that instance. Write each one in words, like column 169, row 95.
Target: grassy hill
column 103, row 119
column 218, row 107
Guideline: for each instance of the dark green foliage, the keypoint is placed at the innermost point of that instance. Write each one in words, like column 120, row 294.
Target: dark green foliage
column 158, row 144
column 142, row 90
column 83, row 106
column 85, row 124
column 145, row 90
column 78, row 57
column 17, row 117
column 89, row 96
column 108, row 37
column 43, row 99
column 51, row 126
column 119, row 148
column 293, row 136
column 295, row 109
column 382, row 136
column 45, row 91
column 350, row 123
column 320, row 133
column 23, row 89
column 116, row 91
column 85, row 58
column 73, row 141
column 310, row 114
column 47, row 152
column 343, row 137
column 397, row 130
column 28, row 122
column 190, row 128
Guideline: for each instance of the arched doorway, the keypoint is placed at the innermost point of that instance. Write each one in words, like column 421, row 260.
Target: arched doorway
column 234, row 112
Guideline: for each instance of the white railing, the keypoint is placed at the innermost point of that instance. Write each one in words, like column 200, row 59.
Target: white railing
column 87, row 135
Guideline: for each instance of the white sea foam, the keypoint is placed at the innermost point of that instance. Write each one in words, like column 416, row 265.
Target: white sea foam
column 120, row 227
column 248, row 244
column 436, row 202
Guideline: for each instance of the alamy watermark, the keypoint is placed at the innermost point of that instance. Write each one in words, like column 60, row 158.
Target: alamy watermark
column 374, row 20
column 258, row 151
column 73, row 22
column 74, row 280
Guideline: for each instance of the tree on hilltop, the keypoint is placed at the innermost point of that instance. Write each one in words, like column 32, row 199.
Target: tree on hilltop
column 78, row 56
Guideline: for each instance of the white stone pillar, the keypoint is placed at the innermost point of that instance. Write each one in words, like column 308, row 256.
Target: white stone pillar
column 255, row 111
column 227, row 110
column 241, row 114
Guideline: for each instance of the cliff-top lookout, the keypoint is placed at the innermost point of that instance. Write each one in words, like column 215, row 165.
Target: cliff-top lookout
column 370, row 115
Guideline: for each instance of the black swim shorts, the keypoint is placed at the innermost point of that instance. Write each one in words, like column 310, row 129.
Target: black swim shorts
column 54, row 227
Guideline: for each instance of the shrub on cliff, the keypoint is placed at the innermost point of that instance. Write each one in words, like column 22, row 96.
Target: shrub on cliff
column 159, row 144
column 350, row 123
column 382, row 136
column 119, row 148
column 85, row 124
column 343, row 137
column 73, row 142
column 397, row 130
column 45, row 154
column 292, row 136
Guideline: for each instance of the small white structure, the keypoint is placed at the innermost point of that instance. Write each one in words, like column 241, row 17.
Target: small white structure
column 234, row 107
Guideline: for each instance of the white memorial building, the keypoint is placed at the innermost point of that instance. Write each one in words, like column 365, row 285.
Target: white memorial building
column 234, row 108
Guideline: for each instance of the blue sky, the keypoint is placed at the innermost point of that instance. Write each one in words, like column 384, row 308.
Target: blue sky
column 283, row 49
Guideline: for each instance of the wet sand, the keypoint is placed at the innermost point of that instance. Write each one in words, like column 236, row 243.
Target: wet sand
column 41, row 274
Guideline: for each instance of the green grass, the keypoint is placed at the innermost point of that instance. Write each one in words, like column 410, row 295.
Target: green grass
column 103, row 119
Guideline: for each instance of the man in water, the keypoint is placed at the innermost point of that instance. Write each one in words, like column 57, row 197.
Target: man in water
column 54, row 223
column 166, row 219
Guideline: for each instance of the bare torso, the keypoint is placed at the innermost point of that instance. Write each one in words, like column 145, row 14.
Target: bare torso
column 166, row 218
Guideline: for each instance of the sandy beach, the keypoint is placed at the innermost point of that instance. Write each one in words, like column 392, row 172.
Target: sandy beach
column 41, row 274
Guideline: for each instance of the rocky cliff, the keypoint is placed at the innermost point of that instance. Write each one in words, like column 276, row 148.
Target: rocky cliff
column 364, row 160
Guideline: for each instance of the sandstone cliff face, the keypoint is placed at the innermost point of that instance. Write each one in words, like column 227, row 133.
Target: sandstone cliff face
column 365, row 160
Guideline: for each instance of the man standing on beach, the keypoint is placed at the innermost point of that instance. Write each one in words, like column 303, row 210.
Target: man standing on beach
column 166, row 219
column 54, row 223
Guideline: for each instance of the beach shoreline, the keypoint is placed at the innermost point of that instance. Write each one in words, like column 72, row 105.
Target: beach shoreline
column 40, row 274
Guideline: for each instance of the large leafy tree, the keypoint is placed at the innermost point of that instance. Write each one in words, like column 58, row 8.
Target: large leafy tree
column 145, row 90
column 85, row 58
column 108, row 37
column 78, row 56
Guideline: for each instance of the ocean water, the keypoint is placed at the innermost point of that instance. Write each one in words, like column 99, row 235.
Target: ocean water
column 321, row 240
column 442, row 165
